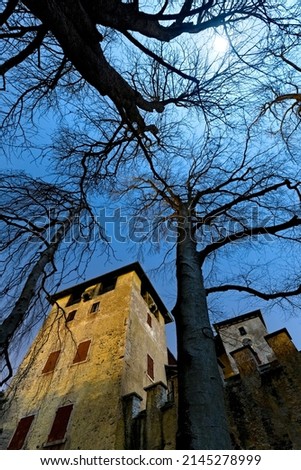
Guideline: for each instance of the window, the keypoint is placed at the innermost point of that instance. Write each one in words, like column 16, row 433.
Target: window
column 149, row 320
column 21, row 432
column 51, row 362
column 88, row 294
column 150, row 367
column 76, row 295
column 242, row 331
column 82, row 352
column 149, row 301
column 95, row 307
column 71, row 316
column 107, row 285
column 60, row 423
column 171, row 391
column 247, row 342
column 256, row 356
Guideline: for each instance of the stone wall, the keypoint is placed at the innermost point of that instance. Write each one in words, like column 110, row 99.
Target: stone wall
column 263, row 403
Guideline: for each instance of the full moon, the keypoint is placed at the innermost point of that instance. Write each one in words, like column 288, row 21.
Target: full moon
column 220, row 44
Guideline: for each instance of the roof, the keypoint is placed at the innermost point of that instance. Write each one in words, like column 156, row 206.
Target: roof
column 118, row 272
column 239, row 319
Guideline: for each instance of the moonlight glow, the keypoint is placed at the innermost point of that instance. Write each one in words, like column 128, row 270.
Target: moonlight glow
column 220, row 44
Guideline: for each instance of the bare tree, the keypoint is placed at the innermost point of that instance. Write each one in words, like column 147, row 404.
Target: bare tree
column 210, row 199
column 61, row 45
column 56, row 52
column 41, row 223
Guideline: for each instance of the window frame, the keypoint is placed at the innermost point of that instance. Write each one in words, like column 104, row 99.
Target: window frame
column 92, row 307
column 58, row 431
column 242, row 331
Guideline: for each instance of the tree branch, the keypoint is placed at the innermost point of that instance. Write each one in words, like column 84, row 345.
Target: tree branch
column 249, row 290
column 295, row 221
column 244, row 197
column 21, row 56
column 8, row 11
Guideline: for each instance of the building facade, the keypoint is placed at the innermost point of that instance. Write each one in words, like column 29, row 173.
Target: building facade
column 102, row 340
column 99, row 375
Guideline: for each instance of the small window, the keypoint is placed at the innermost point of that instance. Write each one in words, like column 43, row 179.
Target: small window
column 256, row 356
column 82, row 352
column 247, row 342
column 149, row 320
column 20, row 434
column 149, row 301
column 60, row 423
column 150, row 367
column 242, row 331
column 95, row 307
column 51, row 362
column 76, row 295
column 107, row 285
column 71, row 316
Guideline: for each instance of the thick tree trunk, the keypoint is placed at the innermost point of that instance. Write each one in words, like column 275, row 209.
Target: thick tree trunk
column 202, row 422
column 15, row 318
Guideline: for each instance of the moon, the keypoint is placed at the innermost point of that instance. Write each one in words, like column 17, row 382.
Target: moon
column 220, row 44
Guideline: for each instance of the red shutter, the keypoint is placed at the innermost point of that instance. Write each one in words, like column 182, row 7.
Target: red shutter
column 60, row 424
column 150, row 367
column 20, row 433
column 82, row 351
column 51, row 362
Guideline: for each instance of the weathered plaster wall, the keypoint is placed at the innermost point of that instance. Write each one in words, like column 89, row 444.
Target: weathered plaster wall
column 255, row 331
column 115, row 365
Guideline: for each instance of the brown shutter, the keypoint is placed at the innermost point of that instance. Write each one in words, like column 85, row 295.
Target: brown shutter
column 60, row 424
column 20, row 433
column 149, row 320
column 51, row 362
column 150, row 367
column 82, row 351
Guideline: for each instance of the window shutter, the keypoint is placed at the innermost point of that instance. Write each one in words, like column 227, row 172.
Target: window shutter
column 150, row 367
column 60, row 424
column 51, row 362
column 82, row 351
column 21, row 432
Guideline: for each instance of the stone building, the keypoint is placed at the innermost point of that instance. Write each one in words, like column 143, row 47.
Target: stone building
column 99, row 375
column 102, row 340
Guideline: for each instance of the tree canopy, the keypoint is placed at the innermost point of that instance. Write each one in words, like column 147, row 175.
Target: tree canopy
column 143, row 109
column 60, row 45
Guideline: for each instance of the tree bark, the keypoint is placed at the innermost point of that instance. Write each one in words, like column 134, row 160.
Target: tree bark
column 202, row 422
column 16, row 317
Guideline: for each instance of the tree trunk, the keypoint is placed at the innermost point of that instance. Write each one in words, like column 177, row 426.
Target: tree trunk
column 12, row 322
column 202, row 422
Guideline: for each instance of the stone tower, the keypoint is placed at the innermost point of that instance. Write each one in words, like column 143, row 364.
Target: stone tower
column 103, row 340
column 237, row 333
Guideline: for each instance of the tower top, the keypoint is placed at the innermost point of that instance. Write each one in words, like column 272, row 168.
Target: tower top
column 133, row 267
column 238, row 319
